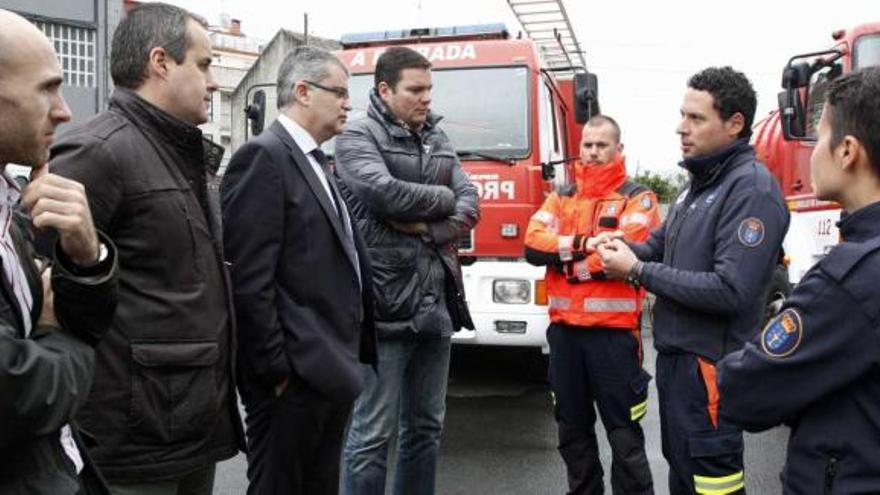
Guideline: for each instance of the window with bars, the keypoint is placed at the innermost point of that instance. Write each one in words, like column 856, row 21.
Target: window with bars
column 76, row 49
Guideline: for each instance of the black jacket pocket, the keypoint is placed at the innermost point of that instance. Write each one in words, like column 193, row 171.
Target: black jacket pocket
column 395, row 283
column 174, row 391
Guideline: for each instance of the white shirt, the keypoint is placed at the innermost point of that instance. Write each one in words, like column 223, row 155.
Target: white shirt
column 307, row 144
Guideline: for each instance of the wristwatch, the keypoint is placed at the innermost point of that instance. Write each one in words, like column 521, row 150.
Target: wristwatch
column 103, row 252
column 634, row 276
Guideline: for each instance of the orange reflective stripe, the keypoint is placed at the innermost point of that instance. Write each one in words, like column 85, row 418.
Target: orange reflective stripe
column 707, row 369
column 610, row 305
column 563, row 303
column 566, row 244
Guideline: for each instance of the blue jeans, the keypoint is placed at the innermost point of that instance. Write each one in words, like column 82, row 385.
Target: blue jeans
column 410, row 393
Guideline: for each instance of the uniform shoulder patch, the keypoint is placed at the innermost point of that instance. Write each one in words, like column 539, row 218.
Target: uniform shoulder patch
column 783, row 334
column 751, row 232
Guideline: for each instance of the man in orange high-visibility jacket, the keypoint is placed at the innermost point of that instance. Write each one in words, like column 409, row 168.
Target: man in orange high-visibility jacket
column 595, row 345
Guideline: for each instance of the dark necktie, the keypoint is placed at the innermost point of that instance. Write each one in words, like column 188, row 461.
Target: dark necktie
column 321, row 158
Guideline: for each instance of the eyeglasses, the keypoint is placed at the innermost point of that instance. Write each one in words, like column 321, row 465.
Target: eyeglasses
column 341, row 93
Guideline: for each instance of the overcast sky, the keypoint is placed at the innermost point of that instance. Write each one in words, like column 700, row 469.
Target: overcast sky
column 642, row 51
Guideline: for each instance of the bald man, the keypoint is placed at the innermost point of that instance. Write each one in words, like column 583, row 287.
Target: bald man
column 51, row 316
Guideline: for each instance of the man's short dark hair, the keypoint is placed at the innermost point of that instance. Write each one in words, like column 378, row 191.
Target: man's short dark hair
column 731, row 93
column 394, row 60
column 148, row 26
column 853, row 109
column 600, row 120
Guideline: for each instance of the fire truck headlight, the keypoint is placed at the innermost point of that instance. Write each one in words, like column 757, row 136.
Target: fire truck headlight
column 511, row 291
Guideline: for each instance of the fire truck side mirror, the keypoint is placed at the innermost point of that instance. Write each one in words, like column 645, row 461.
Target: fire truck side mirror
column 792, row 115
column 256, row 112
column 586, row 96
column 796, row 76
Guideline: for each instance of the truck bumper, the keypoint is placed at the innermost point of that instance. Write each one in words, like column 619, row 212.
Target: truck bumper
column 503, row 324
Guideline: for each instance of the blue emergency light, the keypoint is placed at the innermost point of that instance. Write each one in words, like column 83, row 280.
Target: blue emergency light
column 483, row 31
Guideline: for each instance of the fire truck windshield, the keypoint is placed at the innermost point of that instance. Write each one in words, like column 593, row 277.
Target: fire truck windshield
column 867, row 52
column 485, row 110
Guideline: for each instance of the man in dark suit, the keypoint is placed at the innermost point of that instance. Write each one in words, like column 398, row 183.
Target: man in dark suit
column 301, row 280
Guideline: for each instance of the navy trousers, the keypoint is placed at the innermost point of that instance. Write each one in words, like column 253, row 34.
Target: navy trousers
column 705, row 453
column 601, row 366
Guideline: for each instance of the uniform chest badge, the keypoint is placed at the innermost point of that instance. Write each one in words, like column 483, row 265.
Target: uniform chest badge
column 645, row 202
column 751, row 232
column 783, row 334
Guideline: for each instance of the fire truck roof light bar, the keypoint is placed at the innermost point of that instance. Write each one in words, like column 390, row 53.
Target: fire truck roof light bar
column 486, row 31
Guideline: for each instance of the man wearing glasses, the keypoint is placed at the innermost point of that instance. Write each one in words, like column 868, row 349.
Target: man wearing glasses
column 412, row 202
column 301, row 282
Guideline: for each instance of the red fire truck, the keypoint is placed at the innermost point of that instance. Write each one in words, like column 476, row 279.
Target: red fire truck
column 785, row 139
column 513, row 118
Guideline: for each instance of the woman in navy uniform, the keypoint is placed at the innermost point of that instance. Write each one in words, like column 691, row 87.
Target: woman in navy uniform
column 816, row 365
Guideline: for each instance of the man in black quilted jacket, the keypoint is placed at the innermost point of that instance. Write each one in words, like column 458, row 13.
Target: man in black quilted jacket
column 412, row 202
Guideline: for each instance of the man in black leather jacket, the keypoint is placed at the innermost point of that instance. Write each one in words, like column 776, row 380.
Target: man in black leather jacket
column 163, row 409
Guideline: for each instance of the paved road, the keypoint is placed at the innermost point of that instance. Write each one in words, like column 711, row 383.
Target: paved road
column 500, row 435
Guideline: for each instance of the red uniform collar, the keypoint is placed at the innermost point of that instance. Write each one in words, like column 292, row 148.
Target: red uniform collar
column 600, row 180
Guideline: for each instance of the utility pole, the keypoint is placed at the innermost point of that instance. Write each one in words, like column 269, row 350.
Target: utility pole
column 306, row 28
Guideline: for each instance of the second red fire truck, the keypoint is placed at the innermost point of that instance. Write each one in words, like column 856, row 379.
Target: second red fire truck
column 785, row 139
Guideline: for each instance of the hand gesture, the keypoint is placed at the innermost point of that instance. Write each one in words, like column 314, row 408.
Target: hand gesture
column 60, row 203
column 617, row 258
column 594, row 242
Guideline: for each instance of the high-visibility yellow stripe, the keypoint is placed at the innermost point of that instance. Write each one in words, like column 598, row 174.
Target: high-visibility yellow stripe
column 721, row 491
column 718, row 485
column 718, row 479
column 637, row 411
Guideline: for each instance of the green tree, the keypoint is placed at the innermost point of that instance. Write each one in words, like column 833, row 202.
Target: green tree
column 665, row 186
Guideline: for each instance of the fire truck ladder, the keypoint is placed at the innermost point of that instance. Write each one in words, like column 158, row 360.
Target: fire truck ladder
column 546, row 23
